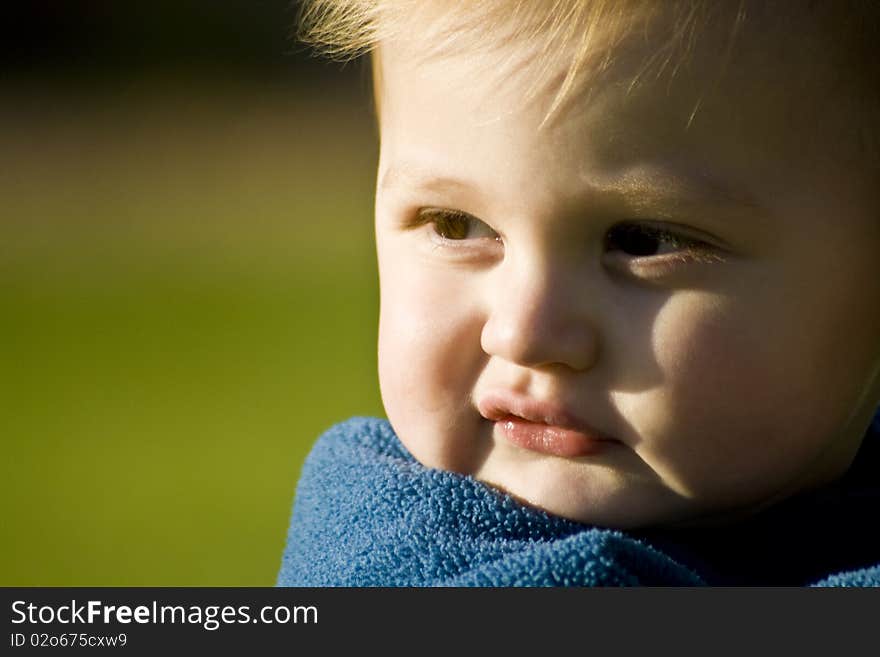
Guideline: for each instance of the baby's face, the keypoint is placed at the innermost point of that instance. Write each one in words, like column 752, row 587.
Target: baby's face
column 624, row 317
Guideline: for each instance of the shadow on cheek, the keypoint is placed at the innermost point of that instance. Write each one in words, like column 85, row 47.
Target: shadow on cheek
column 678, row 362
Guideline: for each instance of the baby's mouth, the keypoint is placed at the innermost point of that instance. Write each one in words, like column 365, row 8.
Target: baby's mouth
column 549, row 439
column 543, row 427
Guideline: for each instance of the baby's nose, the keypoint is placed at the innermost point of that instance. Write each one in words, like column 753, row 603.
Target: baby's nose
column 537, row 318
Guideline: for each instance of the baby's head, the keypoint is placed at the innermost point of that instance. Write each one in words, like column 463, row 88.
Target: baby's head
column 628, row 251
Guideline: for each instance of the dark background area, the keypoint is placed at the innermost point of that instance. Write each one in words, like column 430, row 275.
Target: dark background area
column 112, row 41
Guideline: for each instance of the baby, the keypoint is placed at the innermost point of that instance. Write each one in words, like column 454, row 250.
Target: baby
column 630, row 298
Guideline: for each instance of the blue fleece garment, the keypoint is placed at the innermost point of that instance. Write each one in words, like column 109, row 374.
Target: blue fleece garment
column 367, row 514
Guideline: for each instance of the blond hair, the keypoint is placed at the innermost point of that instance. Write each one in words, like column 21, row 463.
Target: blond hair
column 585, row 32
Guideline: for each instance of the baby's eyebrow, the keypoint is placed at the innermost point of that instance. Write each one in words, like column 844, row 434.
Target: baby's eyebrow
column 664, row 184
column 666, row 193
column 413, row 176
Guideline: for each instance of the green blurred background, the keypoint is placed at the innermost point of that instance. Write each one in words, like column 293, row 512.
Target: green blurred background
column 188, row 291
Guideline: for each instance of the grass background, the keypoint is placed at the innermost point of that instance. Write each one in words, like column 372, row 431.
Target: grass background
column 188, row 296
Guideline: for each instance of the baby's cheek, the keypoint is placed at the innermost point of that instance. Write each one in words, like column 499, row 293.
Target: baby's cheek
column 429, row 336
column 721, row 418
column 429, row 360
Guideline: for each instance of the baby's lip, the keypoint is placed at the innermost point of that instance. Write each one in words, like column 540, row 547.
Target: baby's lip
column 500, row 405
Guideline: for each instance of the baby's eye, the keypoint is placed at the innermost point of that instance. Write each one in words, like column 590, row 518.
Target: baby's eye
column 644, row 240
column 454, row 225
column 643, row 247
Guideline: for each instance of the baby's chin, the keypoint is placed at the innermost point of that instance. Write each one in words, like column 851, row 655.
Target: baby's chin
column 590, row 493
column 603, row 497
